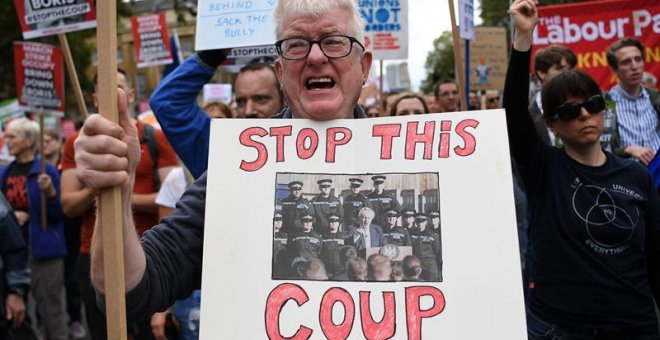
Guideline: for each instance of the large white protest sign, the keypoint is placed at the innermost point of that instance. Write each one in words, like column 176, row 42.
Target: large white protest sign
column 386, row 29
column 224, row 24
column 454, row 163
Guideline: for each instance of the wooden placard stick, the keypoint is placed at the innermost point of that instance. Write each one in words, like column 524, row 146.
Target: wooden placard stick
column 110, row 202
column 458, row 60
column 44, row 213
column 73, row 76
column 381, row 100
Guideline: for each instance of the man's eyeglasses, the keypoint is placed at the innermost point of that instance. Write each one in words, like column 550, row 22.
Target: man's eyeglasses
column 569, row 111
column 332, row 46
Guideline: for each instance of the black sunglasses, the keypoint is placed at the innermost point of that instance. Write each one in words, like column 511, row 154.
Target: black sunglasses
column 569, row 111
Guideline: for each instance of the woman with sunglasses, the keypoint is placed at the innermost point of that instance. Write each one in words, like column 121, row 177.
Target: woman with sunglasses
column 594, row 257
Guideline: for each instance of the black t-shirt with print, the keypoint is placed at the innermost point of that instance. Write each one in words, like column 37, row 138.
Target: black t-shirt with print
column 15, row 189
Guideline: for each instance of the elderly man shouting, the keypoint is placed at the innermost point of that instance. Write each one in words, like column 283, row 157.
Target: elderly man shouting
column 322, row 66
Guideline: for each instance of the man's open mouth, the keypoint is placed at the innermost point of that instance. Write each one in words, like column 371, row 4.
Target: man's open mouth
column 320, row 83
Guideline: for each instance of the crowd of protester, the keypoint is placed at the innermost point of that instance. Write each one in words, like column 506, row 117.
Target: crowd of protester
column 569, row 129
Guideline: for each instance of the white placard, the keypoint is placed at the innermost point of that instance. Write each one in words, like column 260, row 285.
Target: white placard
column 463, row 157
column 217, row 92
column 386, row 29
column 466, row 19
column 224, row 24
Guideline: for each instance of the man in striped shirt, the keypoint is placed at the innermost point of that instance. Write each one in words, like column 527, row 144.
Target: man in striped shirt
column 637, row 114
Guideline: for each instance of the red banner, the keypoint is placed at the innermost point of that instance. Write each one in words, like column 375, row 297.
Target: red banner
column 41, row 18
column 39, row 77
column 152, row 43
column 589, row 28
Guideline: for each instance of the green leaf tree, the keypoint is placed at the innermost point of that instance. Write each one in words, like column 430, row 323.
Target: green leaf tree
column 439, row 62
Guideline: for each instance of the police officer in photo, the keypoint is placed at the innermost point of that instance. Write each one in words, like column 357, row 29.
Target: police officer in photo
column 294, row 206
column 394, row 234
column 426, row 246
column 324, row 204
column 305, row 242
column 280, row 239
column 408, row 219
column 380, row 200
column 434, row 218
column 333, row 241
column 354, row 202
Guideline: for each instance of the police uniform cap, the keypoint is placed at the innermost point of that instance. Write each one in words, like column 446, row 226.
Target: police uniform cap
column 307, row 217
column 333, row 217
column 324, row 183
column 378, row 179
column 421, row 217
column 433, row 213
column 391, row 212
column 408, row 213
column 295, row 185
column 277, row 216
column 355, row 182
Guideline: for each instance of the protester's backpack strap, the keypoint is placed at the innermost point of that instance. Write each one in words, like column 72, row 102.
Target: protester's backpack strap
column 149, row 136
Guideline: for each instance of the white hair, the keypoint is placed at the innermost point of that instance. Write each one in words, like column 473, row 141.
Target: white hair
column 316, row 8
column 28, row 128
column 366, row 212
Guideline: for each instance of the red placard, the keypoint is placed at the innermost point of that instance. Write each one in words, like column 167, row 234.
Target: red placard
column 152, row 43
column 39, row 77
column 589, row 28
column 41, row 18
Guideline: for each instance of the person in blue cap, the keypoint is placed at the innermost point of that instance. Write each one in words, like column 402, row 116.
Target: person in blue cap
column 380, row 200
column 354, row 202
column 324, row 204
column 293, row 207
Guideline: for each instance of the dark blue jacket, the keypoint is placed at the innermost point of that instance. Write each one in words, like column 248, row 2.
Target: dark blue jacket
column 185, row 125
column 49, row 242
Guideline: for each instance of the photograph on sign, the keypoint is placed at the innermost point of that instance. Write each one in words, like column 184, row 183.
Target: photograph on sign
column 386, row 28
column 39, row 18
column 39, row 77
column 234, row 24
column 376, row 214
column 311, row 222
column 151, row 40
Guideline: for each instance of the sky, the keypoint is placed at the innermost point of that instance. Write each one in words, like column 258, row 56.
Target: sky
column 423, row 32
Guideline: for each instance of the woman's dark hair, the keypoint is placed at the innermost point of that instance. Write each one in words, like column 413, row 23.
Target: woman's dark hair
column 571, row 83
column 408, row 95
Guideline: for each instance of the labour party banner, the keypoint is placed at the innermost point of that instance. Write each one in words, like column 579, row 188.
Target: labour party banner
column 386, row 29
column 40, row 18
column 152, row 43
column 588, row 28
column 314, row 223
column 39, row 77
column 234, row 23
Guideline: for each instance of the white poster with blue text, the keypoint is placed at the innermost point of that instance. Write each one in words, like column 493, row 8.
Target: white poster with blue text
column 386, row 28
column 225, row 24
